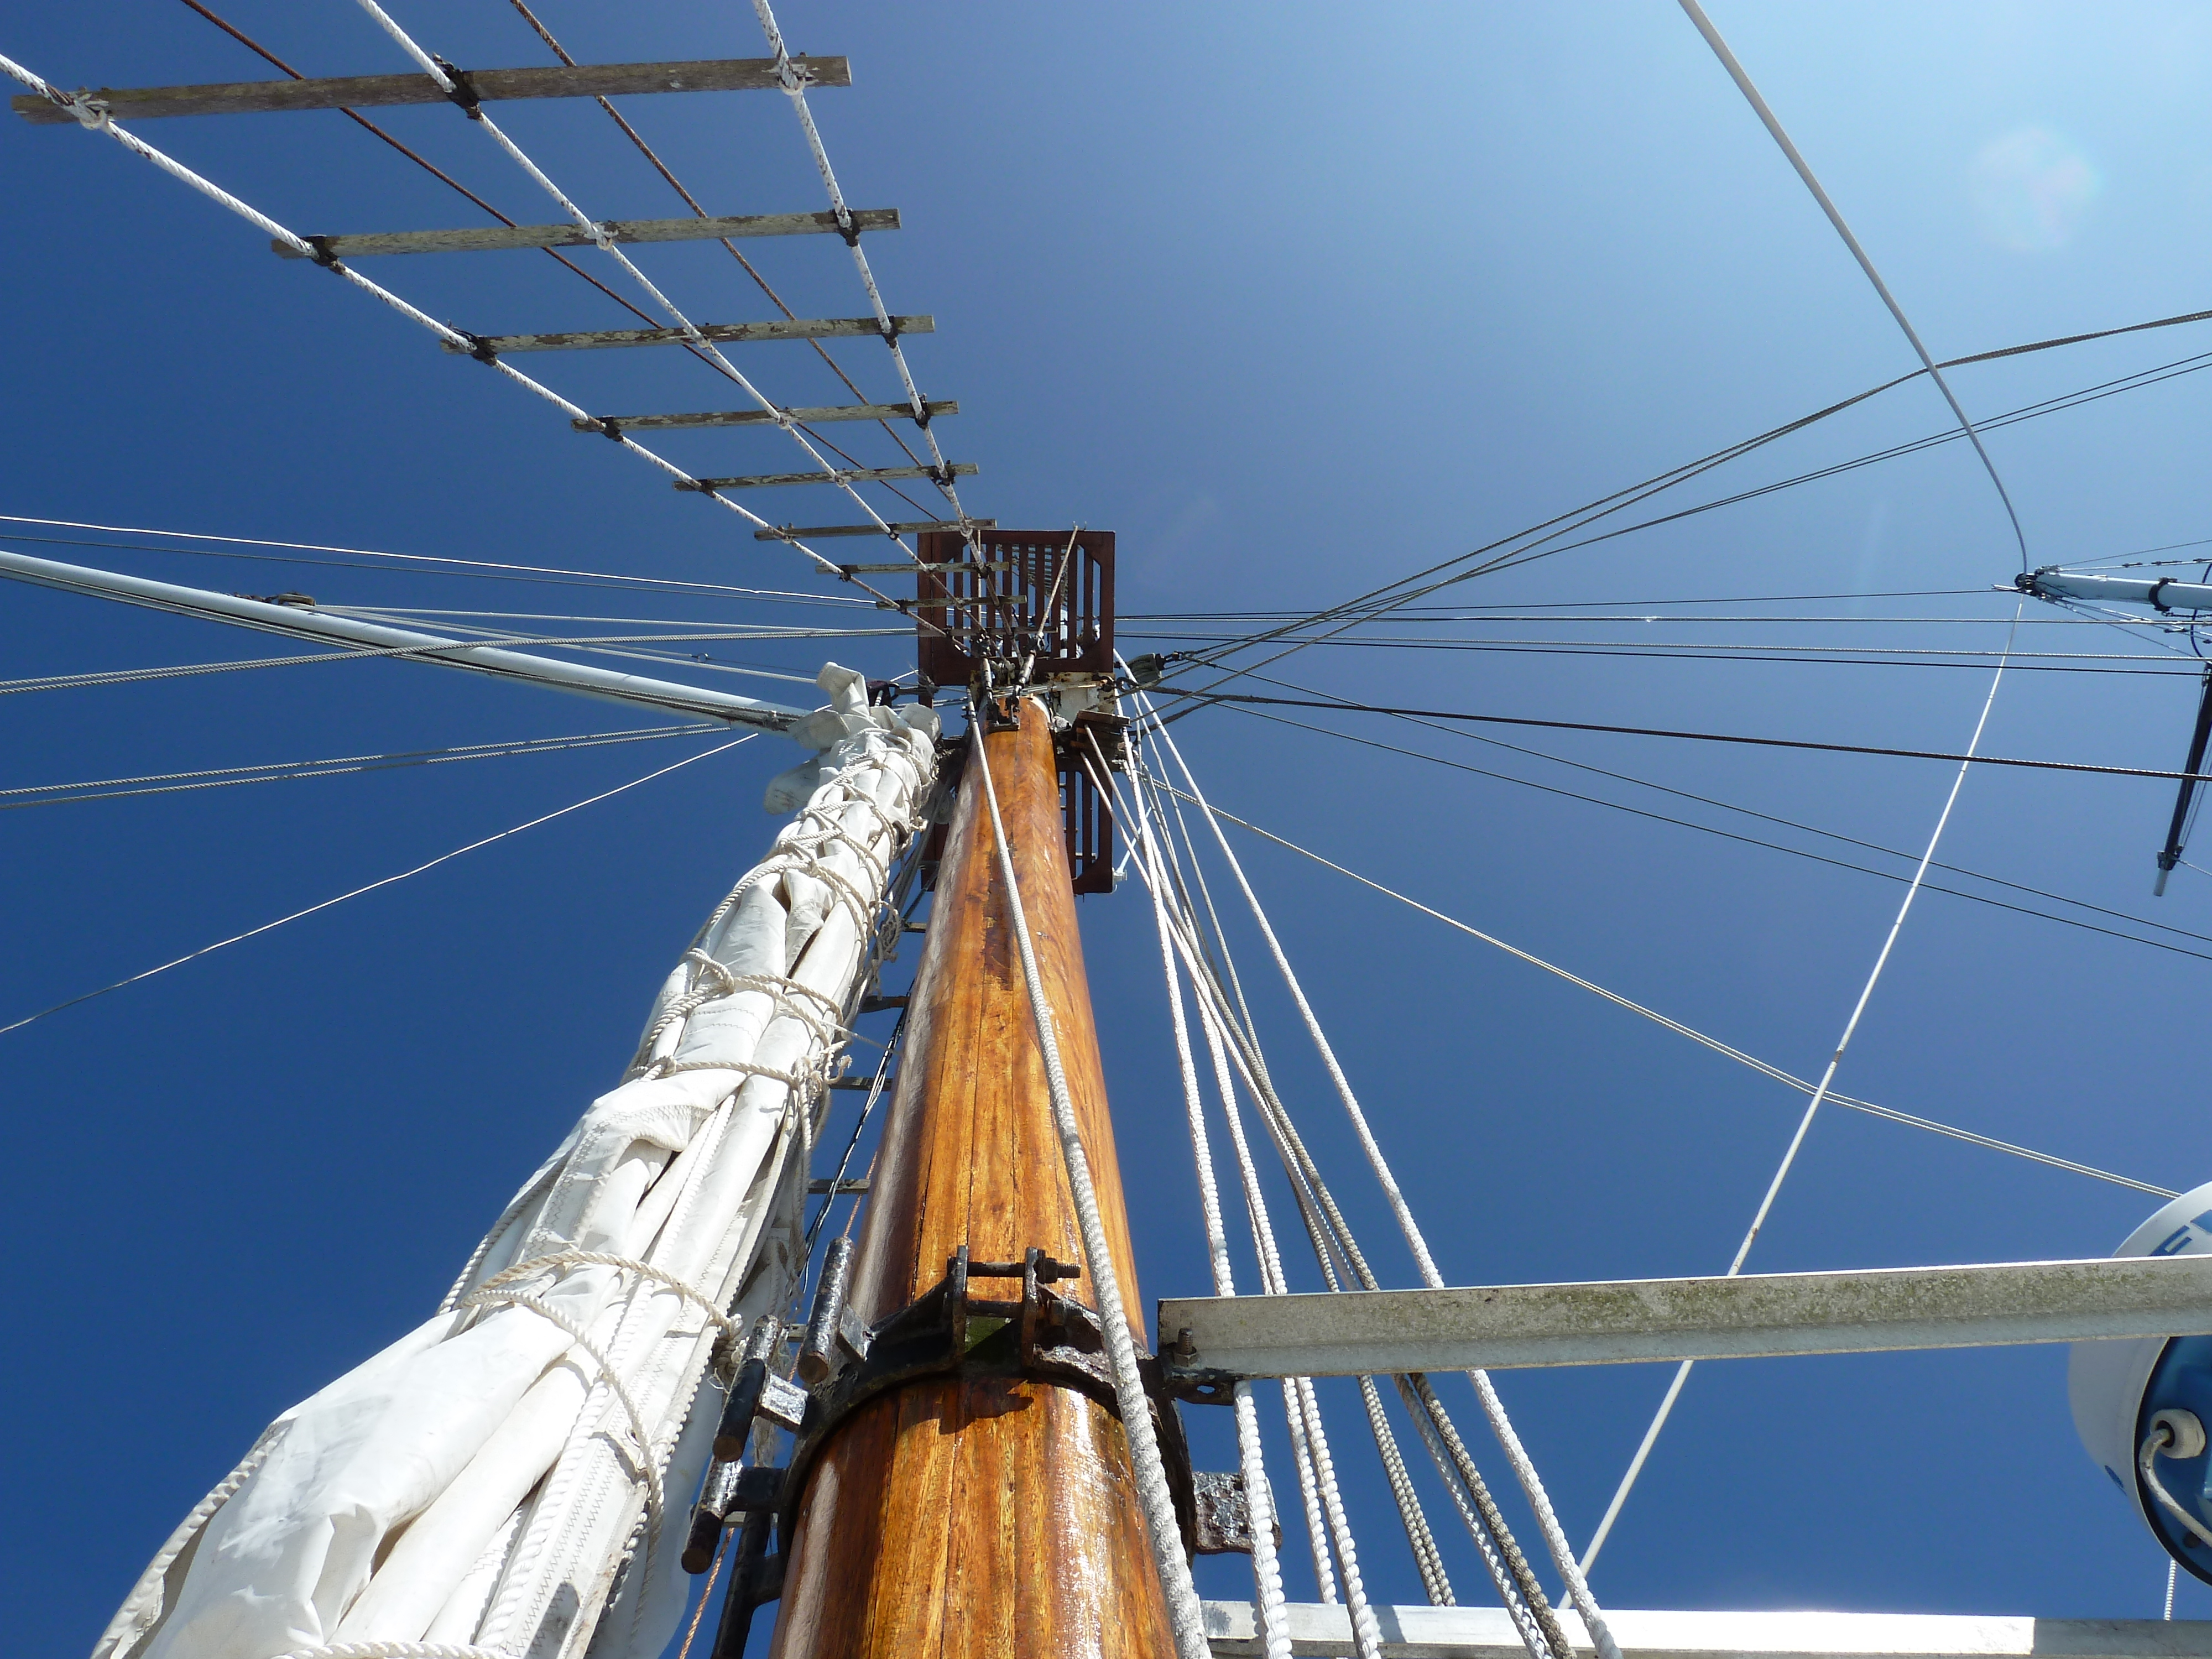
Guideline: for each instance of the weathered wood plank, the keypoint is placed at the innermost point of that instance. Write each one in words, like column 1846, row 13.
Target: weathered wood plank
column 803, row 532
column 367, row 91
column 492, row 239
column 981, row 1517
column 783, row 328
column 843, row 474
column 762, row 417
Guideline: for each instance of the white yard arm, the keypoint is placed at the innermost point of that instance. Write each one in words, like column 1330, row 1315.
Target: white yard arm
column 482, row 1481
column 304, row 622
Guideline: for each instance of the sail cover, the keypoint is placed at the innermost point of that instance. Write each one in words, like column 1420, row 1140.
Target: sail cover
column 512, row 1474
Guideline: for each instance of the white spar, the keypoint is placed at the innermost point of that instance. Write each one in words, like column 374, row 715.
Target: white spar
column 481, row 1481
column 303, row 622
column 2160, row 592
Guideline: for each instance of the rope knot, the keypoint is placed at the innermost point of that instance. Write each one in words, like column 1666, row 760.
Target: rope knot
column 92, row 113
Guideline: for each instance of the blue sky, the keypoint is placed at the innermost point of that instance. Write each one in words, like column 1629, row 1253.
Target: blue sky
column 1296, row 301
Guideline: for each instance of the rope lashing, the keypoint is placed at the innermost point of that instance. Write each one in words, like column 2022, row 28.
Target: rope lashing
column 648, row 1454
column 660, row 1276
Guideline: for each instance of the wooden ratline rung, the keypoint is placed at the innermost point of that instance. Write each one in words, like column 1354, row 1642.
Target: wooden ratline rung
column 892, row 569
column 791, row 328
column 793, row 532
column 492, row 239
column 366, row 91
column 843, row 474
column 762, row 417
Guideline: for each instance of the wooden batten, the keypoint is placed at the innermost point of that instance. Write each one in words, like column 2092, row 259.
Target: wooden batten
column 957, row 1517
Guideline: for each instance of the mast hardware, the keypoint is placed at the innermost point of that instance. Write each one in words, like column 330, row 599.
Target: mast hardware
column 732, row 1489
column 949, row 1332
column 1224, row 1514
column 369, row 91
column 748, row 1389
column 493, row 239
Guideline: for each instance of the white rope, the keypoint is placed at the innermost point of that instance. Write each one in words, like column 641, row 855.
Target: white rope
column 1327, row 1526
column 1819, row 1094
column 1484, row 1524
column 1264, row 1245
column 370, row 887
column 1185, row 1617
column 794, row 82
column 1493, row 1408
column 1267, row 1570
column 660, row 1276
column 1143, row 840
column 604, row 239
column 648, row 1457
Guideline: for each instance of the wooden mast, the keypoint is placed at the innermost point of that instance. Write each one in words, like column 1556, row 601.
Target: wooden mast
column 997, row 1515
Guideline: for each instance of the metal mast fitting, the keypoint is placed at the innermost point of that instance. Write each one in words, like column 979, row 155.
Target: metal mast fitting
column 2166, row 596
column 1032, row 610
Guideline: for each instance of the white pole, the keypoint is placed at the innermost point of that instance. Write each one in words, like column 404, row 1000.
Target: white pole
column 373, row 639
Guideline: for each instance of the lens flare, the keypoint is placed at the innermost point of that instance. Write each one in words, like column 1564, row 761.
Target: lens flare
column 2031, row 188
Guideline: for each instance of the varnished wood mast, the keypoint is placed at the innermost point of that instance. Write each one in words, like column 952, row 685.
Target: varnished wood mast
column 982, row 1517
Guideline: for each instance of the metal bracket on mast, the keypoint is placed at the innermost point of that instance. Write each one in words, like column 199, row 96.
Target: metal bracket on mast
column 949, row 1331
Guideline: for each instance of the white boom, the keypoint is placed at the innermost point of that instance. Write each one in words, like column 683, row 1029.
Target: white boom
column 1758, row 1316
column 303, row 622
column 1419, row 1632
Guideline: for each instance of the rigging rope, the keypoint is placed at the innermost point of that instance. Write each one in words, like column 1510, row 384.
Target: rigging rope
column 1522, row 1595
column 1267, row 1572
column 1699, row 737
column 1813, row 1106
column 470, row 568
column 1520, row 546
column 167, row 783
column 1752, row 841
column 1725, row 1050
column 794, row 82
column 1697, row 16
column 435, row 172
column 1493, row 1408
column 386, row 881
column 1185, row 1618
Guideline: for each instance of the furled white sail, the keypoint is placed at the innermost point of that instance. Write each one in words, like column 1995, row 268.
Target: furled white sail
column 513, row 1473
